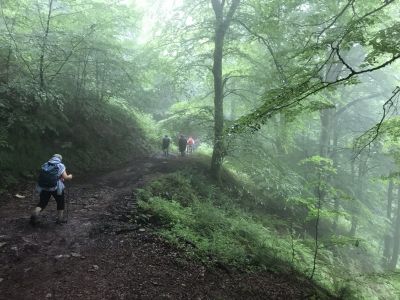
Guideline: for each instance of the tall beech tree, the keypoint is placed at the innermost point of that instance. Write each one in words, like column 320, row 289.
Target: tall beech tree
column 222, row 22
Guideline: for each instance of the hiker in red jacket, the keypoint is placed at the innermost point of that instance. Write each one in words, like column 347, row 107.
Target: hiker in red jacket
column 190, row 145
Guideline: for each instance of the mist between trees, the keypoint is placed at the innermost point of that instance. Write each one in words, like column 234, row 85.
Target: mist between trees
column 298, row 99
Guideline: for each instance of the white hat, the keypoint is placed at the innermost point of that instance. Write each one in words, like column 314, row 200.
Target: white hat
column 58, row 156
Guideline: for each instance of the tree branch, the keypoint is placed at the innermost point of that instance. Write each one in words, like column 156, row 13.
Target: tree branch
column 386, row 108
column 351, row 2
column 92, row 29
column 15, row 43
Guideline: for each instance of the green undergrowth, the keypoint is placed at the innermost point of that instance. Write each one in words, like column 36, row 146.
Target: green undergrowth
column 209, row 226
column 213, row 225
column 227, row 236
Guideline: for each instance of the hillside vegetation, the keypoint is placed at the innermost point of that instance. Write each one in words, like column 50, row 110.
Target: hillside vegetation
column 91, row 135
column 234, row 226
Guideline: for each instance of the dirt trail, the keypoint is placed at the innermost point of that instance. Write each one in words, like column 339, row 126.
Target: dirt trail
column 99, row 254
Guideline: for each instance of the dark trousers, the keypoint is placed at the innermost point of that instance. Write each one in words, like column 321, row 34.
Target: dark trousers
column 165, row 150
column 45, row 197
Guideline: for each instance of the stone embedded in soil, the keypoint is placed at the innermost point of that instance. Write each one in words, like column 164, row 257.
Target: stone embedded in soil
column 62, row 256
column 29, row 241
column 94, row 268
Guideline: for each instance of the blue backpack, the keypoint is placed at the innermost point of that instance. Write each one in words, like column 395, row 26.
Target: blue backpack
column 48, row 175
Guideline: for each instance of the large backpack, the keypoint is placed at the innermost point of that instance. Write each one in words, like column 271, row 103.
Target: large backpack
column 48, row 175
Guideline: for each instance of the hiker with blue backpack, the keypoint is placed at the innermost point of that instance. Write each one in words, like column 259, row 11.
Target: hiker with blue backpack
column 51, row 183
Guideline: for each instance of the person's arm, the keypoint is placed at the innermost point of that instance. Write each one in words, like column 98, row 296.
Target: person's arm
column 65, row 176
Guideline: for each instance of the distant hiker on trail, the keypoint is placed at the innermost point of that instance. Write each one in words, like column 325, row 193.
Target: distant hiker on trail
column 165, row 145
column 51, row 183
column 190, row 144
column 182, row 145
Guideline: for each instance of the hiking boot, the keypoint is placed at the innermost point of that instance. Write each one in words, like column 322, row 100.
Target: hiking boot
column 61, row 221
column 34, row 220
column 60, row 217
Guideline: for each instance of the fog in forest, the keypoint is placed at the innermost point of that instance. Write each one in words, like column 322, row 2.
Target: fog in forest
column 272, row 127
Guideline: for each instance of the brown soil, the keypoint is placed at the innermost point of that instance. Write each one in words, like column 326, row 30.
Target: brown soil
column 100, row 254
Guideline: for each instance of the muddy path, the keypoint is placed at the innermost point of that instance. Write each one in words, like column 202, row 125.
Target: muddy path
column 101, row 254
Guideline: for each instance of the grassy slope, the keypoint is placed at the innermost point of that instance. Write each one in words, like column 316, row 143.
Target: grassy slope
column 216, row 226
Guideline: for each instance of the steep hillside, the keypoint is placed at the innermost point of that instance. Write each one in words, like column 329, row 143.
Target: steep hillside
column 91, row 134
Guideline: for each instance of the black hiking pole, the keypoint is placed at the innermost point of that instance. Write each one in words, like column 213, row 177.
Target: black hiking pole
column 67, row 200
column 33, row 194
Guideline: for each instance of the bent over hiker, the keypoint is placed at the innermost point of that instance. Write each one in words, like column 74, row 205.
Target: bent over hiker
column 51, row 183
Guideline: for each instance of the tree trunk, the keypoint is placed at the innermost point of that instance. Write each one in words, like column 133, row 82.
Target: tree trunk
column 7, row 66
column 388, row 235
column 336, row 209
column 396, row 237
column 81, row 77
column 326, row 132
column 325, row 150
column 97, row 78
column 218, row 151
column 282, row 134
column 354, row 224
column 221, row 25
column 334, row 157
column 354, row 221
column 43, row 47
